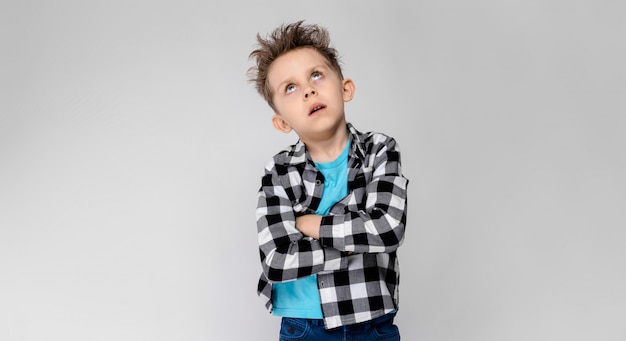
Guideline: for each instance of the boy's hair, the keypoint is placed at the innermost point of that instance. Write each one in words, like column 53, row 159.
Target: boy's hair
column 283, row 39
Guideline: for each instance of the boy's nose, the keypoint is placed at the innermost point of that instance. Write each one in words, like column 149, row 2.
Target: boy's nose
column 309, row 93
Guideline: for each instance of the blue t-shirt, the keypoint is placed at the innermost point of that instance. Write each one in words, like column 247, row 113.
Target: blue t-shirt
column 300, row 298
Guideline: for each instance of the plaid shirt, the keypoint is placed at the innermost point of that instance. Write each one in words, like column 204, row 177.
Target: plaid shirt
column 355, row 257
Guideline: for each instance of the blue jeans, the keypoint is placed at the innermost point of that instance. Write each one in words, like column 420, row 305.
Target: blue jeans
column 381, row 328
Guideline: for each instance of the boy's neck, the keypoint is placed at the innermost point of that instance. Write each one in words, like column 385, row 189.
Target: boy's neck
column 328, row 149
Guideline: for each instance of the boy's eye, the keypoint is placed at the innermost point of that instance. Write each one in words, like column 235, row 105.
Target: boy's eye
column 290, row 88
column 316, row 75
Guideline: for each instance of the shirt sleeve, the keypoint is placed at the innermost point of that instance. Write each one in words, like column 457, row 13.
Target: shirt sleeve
column 287, row 254
column 378, row 226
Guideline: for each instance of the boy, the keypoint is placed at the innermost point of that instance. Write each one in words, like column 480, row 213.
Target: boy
column 331, row 208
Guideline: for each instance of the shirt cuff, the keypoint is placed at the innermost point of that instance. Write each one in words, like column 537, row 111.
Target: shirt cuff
column 331, row 232
column 334, row 260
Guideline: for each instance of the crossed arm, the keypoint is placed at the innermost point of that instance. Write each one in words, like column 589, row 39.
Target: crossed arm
column 287, row 253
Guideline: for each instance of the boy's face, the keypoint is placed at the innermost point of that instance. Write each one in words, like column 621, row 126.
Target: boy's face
column 308, row 94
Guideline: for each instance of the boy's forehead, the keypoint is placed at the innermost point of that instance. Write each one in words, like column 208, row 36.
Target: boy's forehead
column 294, row 62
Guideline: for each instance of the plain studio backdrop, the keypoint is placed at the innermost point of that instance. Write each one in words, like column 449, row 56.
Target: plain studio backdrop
column 131, row 150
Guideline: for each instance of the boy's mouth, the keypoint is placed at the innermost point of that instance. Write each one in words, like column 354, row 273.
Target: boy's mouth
column 315, row 108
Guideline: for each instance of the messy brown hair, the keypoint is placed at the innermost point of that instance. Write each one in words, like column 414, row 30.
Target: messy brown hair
column 283, row 39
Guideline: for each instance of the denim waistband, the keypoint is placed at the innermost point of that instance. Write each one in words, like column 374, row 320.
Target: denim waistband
column 366, row 324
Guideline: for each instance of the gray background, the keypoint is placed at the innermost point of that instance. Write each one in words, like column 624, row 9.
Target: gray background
column 131, row 148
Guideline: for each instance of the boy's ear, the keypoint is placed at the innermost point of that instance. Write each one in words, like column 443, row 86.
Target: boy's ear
column 280, row 124
column 348, row 89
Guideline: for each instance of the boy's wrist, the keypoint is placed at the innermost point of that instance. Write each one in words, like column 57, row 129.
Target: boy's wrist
column 309, row 225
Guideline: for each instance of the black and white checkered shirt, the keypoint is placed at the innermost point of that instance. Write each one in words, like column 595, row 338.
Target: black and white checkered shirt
column 355, row 257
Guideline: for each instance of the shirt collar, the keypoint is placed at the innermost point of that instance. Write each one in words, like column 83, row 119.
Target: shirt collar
column 297, row 154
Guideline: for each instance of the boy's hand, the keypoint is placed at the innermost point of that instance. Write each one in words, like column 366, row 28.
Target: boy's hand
column 309, row 225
